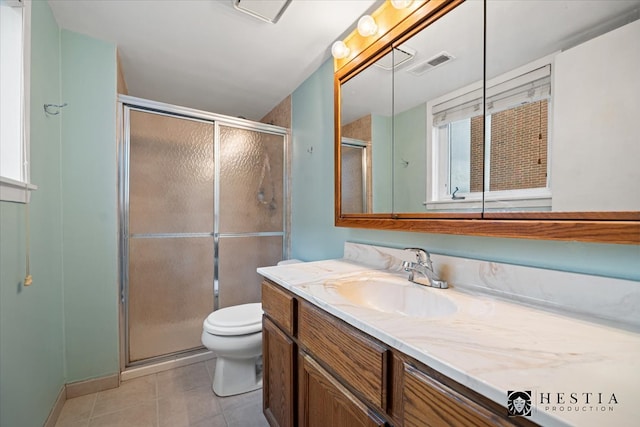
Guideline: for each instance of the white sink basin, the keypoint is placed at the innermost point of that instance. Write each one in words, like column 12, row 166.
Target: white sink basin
column 393, row 296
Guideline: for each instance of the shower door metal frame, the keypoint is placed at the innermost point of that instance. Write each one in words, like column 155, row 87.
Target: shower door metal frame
column 362, row 146
column 124, row 106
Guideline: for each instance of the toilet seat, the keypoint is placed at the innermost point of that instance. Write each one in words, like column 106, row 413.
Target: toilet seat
column 236, row 320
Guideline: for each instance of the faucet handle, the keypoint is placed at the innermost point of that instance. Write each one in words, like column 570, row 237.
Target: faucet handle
column 422, row 256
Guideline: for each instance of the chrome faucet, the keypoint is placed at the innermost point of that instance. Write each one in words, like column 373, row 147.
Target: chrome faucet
column 424, row 267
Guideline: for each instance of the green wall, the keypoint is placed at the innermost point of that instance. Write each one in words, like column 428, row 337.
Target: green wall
column 410, row 181
column 64, row 327
column 31, row 318
column 315, row 237
column 89, row 206
column 381, row 162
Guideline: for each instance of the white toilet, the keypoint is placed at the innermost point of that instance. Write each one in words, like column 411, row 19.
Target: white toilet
column 234, row 334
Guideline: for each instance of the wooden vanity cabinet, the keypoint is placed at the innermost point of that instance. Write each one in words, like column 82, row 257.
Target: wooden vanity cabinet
column 279, row 356
column 318, row 371
column 321, row 371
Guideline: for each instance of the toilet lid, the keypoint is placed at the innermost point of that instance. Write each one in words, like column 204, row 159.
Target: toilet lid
column 236, row 320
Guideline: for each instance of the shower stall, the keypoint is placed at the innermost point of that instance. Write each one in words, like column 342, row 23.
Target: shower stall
column 203, row 203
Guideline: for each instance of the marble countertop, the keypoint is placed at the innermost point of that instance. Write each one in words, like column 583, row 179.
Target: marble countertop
column 580, row 373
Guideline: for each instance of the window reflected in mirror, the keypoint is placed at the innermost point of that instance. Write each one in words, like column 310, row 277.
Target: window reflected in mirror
column 500, row 147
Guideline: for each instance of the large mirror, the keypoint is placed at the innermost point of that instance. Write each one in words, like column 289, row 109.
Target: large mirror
column 525, row 114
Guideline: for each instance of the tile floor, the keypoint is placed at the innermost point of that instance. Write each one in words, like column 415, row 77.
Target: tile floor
column 181, row 397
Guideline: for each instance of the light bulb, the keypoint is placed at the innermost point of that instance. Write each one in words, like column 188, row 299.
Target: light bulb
column 340, row 50
column 401, row 4
column 367, row 26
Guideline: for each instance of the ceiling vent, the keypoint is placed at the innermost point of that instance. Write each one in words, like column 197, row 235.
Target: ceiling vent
column 264, row 10
column 401, row 55
column 431, row 63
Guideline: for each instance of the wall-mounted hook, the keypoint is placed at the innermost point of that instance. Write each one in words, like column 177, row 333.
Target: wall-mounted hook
column 405, row 163
column 53, row 109
column 310, row 150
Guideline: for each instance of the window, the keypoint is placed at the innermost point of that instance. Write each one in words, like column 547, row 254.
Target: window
column 14, row 108
column 506, row 152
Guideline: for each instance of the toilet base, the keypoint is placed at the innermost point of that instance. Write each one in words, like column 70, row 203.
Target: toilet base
column 236, row 376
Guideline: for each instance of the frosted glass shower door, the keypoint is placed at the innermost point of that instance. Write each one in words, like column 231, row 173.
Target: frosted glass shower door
column 353, row 179
column 170, row 235
column 251, row 211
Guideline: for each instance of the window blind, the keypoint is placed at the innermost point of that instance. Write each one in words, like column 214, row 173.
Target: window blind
column 532, row 86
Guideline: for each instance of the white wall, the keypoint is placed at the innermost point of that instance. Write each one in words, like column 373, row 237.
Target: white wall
column 596, row 134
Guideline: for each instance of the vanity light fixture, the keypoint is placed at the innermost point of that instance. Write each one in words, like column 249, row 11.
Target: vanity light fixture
column 340, row 50
column 401, row 4
column 367, row 26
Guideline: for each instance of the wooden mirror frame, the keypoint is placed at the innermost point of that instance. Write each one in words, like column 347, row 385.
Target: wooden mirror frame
column 395, row 27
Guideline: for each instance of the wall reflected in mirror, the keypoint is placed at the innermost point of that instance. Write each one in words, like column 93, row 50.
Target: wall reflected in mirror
column 562, row 99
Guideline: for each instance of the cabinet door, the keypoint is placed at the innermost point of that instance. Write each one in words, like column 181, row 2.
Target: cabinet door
column 428, row 403
column 325, row 402
column 352, row 356
column 278, row 390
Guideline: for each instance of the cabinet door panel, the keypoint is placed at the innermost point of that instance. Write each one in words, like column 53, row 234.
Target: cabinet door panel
column 353, row 356
column 428, row 403
column 278, row 392
column 325, row 402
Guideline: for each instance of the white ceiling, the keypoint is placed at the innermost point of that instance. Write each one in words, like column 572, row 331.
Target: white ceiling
column 205, row 54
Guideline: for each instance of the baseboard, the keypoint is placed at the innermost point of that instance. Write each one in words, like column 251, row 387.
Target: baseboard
column 52, row 419
column 94, row 385
column 132, row 373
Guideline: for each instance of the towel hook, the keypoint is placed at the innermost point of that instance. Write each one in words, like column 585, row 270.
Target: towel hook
column 53, row 109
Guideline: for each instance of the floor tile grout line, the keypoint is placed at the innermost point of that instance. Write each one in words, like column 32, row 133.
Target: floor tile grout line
column 157, row 401
column 224, row 415
column 125, row 407
column 93, row 406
